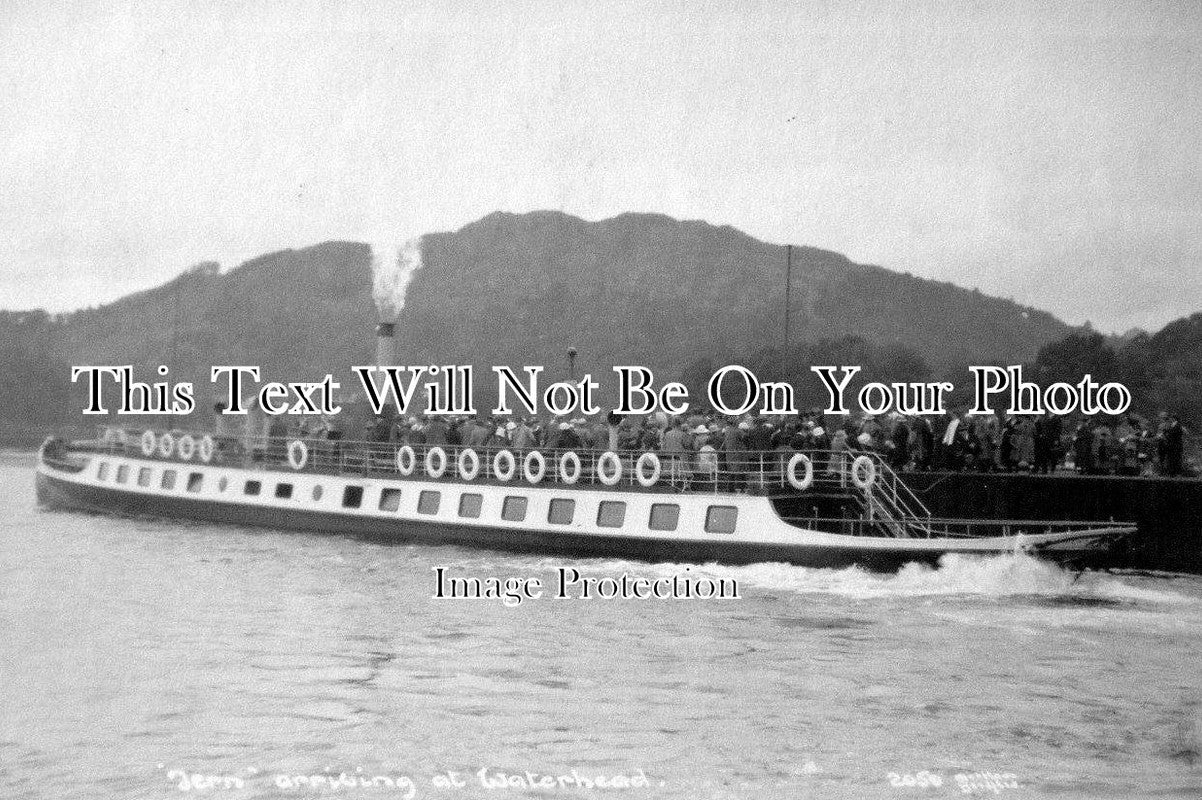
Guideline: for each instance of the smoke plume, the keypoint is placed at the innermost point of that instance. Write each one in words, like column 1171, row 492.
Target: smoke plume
column 392, row 268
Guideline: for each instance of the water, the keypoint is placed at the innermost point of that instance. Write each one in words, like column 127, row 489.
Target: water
column 133, row 649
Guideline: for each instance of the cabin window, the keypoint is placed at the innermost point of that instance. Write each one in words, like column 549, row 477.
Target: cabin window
column 168, row 481
column 144, row 476
column 427, row 502
column 390, row 499
column 721, row 519
column 611, row 514
column 252, row 487
column 102, row 472
column 514, row 509
column 195, row 480
column 664, row 517
column 122, row 473
column 561, row 511
column 469, row 505
column 223, row 483
column 352, row 497
column 283, row 490
column 317, row 492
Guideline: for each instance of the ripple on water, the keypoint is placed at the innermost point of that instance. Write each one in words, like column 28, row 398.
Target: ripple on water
column 217, row 649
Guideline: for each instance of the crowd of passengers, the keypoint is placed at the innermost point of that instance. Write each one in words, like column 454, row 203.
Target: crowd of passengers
column 709, row 442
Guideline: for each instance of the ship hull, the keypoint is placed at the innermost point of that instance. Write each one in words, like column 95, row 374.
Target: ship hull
column 313, row 506
column 64, row 495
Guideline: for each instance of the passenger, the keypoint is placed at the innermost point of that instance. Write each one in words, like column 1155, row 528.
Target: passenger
column 1047, row 435
column 332, row 434
column 707, row 456
column 734, row 455
column 612, row 430
column 1083, row 448
column 415, row 437
column 1024, row 443
column 568, row 438
column 436, row 432
column 649, row 436
column 455, row 432
column 924, row 439
column 758, row 440
column 1162, row 466
column 673, row 452
column 988, row 432
column 899, row 439
column 1128, row 446
column 628, row 436
column 1174, row 447
column 478, row 435
column 821, row 448
column 802, row 439
column 1102, row 451
column 523, row 436
column 948, row 457
column 225, row 436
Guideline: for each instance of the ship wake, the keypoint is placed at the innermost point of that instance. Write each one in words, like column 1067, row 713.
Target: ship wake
column 1017, row 576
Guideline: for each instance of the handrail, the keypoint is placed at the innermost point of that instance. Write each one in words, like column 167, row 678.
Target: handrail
column 887, row 504
column 888, row 501
column 963, row 528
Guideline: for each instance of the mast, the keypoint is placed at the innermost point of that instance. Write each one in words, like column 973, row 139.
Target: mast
column 788, row 289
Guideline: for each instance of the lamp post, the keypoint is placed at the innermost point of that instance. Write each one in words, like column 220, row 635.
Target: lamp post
column 572, row 364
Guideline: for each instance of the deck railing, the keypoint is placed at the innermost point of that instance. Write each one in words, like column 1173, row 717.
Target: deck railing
column 712, row 471
column 886, row 504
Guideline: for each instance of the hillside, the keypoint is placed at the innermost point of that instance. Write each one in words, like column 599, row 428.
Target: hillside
column 521, row 288
column 1162, row 370
column 648, row 289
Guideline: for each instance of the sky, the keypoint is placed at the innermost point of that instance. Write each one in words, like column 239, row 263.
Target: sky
column 1050, row 152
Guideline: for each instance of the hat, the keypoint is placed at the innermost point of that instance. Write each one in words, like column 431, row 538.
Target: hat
column 510, row 425
column 563, row 426
column 744, row 426
column 700, row 429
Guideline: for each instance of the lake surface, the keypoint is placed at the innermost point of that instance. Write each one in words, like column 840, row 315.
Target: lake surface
column 140, row 658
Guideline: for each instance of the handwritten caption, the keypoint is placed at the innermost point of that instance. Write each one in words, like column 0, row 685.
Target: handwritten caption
column 404, row 785
column 967, row 782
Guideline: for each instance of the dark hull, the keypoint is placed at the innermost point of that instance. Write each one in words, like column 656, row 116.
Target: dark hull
column 57, row 493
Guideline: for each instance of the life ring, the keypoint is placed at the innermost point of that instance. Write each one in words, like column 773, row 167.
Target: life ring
column 439, row 455
column 863, row 472
column 531, row 475
column 510, row 465
column 166, row 445
column 466, row 472
column 569, row 459
column 645, row 480
column 186, row 447
column 207, row 448
column 609, row 457
column 148, row 443
column 807, row 480
column 298, row 454
column 406, row 460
